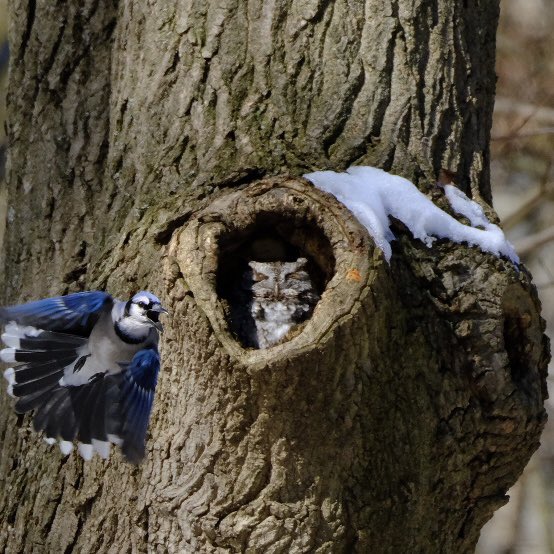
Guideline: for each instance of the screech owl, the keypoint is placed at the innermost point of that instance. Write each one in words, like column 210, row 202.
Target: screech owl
column 282, row 297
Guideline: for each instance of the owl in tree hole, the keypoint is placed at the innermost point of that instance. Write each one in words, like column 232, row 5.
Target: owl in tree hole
column 282, row 297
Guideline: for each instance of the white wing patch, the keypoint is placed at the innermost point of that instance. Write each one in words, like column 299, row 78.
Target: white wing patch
column 8, row 355
column 9, row 375
column 66, row 447
column 102, row 447
column 13, row 333
column 87, row 451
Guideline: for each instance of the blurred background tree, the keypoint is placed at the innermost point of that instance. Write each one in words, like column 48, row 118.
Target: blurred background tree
column 523, row 192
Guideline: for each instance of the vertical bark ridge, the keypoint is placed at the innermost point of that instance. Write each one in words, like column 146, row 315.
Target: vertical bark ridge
column 204, row 96
column 59, row 89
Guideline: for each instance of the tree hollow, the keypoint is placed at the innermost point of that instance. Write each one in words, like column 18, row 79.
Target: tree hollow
column 246, row 223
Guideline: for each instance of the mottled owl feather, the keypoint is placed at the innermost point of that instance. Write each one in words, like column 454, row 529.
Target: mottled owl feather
column 282, row 297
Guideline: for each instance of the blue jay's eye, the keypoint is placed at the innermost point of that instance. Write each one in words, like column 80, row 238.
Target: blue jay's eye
column 141, row 304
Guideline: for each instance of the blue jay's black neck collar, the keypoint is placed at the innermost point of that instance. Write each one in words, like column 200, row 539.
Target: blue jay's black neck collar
column 127, row 337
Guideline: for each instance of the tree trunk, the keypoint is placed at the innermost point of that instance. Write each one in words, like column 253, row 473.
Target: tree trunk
column 150, row 142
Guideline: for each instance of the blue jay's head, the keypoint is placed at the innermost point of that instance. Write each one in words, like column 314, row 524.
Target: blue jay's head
column 145, row 308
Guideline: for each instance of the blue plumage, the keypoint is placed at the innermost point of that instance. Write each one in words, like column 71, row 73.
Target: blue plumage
column 139, row 384
column 74, row 313
column 87, row 365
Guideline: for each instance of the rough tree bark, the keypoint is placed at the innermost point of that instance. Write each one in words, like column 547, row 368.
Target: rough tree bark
column 149, row 141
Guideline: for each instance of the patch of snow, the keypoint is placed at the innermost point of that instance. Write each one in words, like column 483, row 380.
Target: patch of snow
column 464, row 206
column 373, row 195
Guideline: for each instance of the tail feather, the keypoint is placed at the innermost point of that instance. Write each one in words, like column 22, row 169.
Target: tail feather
column 64, row 414
column 100, row 420
column 93, row 414
column 98, row 417
column 114, row 413
column 62, row 421
column 69, row 426
column 32, row 401
column 82, row 414
column 78, row 413
column 68, row 413
column 46, row 416
column 86, row 410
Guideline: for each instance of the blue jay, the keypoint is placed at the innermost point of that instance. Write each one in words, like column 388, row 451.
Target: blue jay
column 88, row 365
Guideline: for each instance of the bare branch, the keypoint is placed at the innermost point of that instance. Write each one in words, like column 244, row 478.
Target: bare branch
column 544, row 193
column 526, row 134
column 528, row 244
column 528, row 111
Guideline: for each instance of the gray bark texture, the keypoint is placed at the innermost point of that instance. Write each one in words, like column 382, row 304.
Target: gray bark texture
column 149, row 141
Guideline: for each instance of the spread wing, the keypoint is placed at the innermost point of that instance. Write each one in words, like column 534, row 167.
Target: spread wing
column 74, row 314
column 47, row 336
column 108, row 409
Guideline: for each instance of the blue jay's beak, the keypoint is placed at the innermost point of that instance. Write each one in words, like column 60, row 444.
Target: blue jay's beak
column 154, row 315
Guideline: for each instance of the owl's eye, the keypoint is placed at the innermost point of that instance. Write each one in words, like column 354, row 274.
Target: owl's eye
column 257, row 276
column 300, row 275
